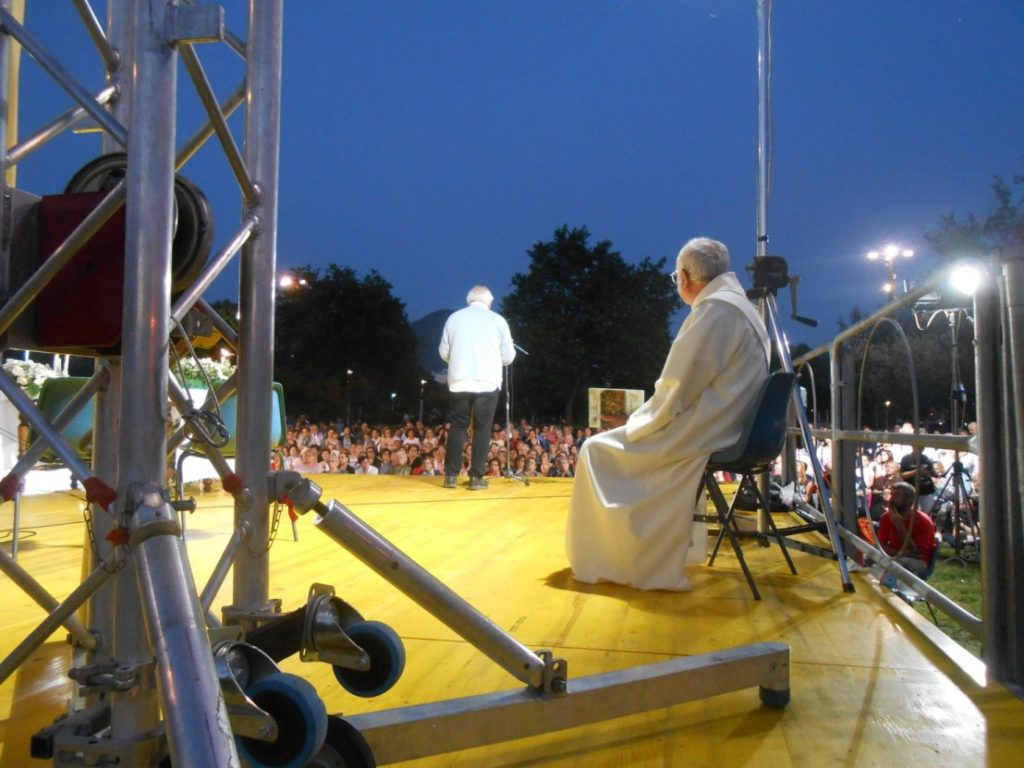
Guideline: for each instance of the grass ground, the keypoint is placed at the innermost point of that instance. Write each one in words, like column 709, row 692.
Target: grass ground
column 960, row 580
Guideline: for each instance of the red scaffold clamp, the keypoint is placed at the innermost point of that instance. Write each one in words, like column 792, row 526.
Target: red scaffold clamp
column 9, row 487
column 233, row 484
column 98, row 492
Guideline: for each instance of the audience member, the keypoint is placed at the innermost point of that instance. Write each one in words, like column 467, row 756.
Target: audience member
column 905, row 533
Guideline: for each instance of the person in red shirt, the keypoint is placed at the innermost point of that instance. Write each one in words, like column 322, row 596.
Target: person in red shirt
column 905, row 533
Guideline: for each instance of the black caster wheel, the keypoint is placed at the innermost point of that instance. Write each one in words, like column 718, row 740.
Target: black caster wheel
column 301, row 722
column 387, row 659
column 774, row 699
column 344, row 747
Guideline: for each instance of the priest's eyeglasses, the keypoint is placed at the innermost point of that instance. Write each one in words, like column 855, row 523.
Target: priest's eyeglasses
column 673, row 276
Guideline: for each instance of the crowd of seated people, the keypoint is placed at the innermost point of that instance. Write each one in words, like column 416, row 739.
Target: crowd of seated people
column 415, row 448
column 946, row 482
column 529, row 451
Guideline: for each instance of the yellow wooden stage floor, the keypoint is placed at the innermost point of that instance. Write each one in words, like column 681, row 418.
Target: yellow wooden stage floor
column 872, row 683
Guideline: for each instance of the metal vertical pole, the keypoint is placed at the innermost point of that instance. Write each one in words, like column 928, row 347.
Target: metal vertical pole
column 6, row 47
column 1011, row 666
column 844, row 454
column 99, row 612
column 763, row 95
column 148, row 231
column 5, row 73
column 197, row 729
column 990, row 491
column 10, row 61
column 256, row 299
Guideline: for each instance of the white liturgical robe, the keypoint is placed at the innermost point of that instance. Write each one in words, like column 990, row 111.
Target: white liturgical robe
column 635, row 491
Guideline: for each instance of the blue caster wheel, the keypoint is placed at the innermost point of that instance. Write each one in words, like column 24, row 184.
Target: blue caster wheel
column 301, row 722
column 387, row 659
column 344, row 747
column 774, row 699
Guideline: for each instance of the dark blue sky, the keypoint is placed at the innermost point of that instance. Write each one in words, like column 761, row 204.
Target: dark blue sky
column 438, row 141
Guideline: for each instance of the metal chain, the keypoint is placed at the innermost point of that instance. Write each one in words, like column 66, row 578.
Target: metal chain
column 91, row 531
column 275, row 521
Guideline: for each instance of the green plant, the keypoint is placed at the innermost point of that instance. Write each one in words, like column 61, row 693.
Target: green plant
column 217, row 371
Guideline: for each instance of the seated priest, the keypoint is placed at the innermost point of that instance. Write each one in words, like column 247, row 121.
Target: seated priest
column 635, row 492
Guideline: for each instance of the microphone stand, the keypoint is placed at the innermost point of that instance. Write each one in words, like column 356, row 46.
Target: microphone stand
column 508, row 419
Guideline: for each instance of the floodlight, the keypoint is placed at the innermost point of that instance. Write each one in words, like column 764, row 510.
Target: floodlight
column 965, row 278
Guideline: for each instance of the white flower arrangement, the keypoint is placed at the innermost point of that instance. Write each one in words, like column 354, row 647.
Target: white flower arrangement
column 217, row 371
column 30, row 375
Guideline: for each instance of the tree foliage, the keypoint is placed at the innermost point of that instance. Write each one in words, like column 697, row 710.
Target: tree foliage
column 1000, row 230
column 338, row 322
column 588, row 319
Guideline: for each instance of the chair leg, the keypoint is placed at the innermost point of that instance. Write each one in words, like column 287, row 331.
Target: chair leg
column 16, row 530
column 763, row 504
column 728, row 524
column 781, row 541
column 722, row 510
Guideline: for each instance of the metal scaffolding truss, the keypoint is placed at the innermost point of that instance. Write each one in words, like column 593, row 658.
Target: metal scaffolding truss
column 134, row 524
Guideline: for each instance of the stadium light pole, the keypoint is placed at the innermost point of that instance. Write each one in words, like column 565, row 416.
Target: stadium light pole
column 888, row 255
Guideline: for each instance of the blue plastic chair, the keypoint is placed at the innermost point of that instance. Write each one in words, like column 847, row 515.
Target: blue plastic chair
column 53, row 396
column 753, row 454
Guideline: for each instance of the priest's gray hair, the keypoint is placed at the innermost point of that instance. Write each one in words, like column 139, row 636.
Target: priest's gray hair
column 480, row 293
column 704, row 259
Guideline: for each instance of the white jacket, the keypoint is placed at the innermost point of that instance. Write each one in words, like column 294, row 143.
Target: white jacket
column 476, row 343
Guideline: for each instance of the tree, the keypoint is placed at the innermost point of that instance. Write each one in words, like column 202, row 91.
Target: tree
column 338, row 322
column 587, row 319
column 1002, row 229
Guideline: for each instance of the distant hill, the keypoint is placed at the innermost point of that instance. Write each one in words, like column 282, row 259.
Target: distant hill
column 428, row 336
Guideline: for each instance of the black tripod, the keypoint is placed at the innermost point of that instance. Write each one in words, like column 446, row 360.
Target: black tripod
column 954, row 491
column 952, row 507
column 770, row 273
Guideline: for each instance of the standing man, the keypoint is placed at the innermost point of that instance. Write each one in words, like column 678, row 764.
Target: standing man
column 476, row 343
column 636, row 486
column 918, row 469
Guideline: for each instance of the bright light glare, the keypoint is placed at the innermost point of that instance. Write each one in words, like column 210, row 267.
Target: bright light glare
column 290, row 281
column 873, row 255
column 965, row 278
column 891, row 251
column 887, row 287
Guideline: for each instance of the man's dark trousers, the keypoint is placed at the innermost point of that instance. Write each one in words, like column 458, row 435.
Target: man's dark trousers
column 480, row 407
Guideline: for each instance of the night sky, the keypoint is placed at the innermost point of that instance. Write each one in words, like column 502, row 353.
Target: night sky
column 436, row 142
